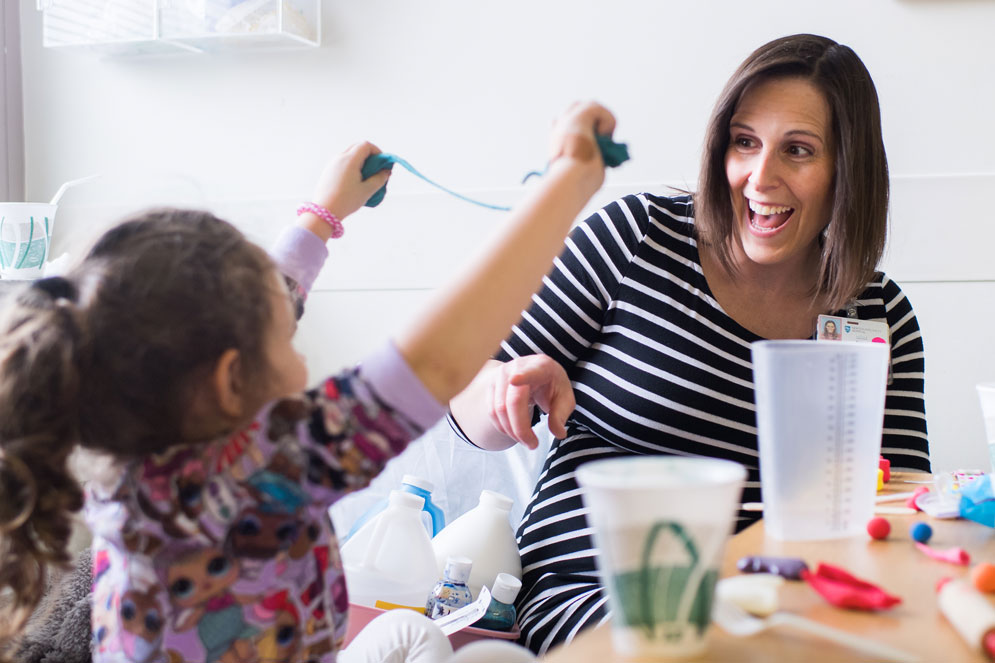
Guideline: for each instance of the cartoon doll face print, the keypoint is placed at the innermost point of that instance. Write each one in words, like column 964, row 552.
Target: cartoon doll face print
column 257, row 534
column 280, row 641
column 142, row 620
column 200, row 576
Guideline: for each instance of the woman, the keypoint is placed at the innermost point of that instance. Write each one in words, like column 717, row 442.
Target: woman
column 829, row 331
column 654, row 302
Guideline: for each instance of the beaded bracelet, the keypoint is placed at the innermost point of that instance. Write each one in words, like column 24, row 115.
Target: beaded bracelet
column 324, row 215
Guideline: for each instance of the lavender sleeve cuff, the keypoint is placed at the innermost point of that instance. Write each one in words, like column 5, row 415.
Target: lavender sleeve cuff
column 299, row 254
column 389, row 375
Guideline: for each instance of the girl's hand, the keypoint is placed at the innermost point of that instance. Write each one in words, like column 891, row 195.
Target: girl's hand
column 524, row 382
column 341, row 188
column 573, row 137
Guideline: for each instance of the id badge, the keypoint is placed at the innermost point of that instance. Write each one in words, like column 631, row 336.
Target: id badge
column 835, row 328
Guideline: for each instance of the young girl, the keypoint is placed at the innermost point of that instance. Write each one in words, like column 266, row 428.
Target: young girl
column 168, row 351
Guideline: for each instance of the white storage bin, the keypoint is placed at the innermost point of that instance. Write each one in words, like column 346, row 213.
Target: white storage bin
column 156, row 26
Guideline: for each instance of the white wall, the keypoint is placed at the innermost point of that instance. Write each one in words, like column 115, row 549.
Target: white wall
column 466, row 92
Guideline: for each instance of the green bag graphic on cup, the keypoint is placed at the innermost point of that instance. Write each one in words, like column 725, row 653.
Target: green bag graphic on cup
column 664, row 599
column 25, row 237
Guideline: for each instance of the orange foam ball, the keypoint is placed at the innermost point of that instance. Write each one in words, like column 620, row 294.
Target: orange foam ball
column 983, row 577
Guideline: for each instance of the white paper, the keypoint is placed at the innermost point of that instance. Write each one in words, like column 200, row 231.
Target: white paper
column 465, row 616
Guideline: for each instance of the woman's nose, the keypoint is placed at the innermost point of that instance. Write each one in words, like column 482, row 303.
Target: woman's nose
column 765, row 173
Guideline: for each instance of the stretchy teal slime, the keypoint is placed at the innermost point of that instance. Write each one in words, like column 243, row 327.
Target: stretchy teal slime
column 614, row 154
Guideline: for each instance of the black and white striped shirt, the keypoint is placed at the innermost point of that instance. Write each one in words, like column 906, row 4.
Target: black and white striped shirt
column 657, row 367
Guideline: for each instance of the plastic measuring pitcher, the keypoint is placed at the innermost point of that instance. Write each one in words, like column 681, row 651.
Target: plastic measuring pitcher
column 820, row 413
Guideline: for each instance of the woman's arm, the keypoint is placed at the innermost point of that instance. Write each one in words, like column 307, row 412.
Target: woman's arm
column 512, row 390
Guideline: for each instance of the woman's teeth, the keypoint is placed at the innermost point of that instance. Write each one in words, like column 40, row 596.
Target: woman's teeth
column 767, row 210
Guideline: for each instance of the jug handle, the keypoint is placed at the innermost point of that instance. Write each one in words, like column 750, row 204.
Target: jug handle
column 438, row 518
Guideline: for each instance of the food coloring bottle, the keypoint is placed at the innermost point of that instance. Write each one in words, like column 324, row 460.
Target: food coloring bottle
column 450, row 593
column 500, row 615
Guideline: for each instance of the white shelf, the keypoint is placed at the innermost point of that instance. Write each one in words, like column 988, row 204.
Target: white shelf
column 129, row 27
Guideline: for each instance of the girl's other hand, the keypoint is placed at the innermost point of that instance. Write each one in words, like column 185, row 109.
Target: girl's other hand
column 524, row 382
column 341, row 188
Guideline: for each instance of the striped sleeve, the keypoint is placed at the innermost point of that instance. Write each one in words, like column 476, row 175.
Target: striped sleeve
column 566, row 315
column 904, row 441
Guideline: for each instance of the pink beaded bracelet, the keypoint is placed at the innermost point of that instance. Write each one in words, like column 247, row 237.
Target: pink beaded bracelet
column 325, row 216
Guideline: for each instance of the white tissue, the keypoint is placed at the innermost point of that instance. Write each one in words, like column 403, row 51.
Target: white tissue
column 756, row 593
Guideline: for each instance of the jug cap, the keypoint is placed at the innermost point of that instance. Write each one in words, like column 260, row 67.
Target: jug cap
column 458, row 569
column 495, row 499
column 505, row 588
column 418, row 482
column 406, row 500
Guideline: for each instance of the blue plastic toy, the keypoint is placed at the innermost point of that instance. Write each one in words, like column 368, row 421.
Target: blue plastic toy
column 921, row 532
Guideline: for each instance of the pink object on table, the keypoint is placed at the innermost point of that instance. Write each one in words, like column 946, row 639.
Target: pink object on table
column 911, row 502
column 846, row 591
column 952, row 555
column 885, row 466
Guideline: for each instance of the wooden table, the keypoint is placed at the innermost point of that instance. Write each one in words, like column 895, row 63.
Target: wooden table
column 915, row 625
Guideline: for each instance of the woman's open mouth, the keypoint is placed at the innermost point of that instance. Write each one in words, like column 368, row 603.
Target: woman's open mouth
column 768, row 219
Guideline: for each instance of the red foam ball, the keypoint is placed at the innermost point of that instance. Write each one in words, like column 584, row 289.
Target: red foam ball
column 879, row 528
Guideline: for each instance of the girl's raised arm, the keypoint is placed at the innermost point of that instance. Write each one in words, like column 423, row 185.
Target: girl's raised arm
column 464, row 326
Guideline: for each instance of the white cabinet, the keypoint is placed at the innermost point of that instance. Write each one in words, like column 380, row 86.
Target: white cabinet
column 157, row 26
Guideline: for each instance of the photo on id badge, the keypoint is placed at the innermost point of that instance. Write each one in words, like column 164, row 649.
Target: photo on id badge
column 828, row 329
column 832, row 328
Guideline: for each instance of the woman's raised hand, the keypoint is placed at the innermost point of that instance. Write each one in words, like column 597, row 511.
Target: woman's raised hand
column 573, row 136
column 522, row 383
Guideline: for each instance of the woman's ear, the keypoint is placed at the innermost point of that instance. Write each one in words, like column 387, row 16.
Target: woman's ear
column 228, row 384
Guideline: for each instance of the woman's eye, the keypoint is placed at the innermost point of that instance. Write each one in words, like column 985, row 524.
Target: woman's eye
column 799, row 151
column 742, row 141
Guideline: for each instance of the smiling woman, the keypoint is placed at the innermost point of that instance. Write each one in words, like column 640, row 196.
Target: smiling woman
column 639, row 341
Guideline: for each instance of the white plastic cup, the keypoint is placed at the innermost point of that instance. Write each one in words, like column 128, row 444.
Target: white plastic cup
column 820, row 414
column 986, row 394
column 25, row 237
column 660, row 525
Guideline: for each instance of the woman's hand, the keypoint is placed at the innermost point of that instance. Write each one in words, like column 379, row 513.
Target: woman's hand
column 523, row 383
column 341, row 188
column 573, row 137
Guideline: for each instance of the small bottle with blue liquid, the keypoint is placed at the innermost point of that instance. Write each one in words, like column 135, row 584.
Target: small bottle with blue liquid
column 500, row 615
column 451, row 593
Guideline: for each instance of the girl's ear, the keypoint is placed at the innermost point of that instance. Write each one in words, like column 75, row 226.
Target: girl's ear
column 228, row 384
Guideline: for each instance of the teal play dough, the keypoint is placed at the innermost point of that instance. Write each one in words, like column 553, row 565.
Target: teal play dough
column 614, row 154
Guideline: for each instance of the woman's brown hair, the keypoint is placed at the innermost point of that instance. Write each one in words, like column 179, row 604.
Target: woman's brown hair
column 109, row 357
column 854, row 239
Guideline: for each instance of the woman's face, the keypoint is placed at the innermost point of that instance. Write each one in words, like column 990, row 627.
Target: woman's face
column 830, row 327
column 780, row 166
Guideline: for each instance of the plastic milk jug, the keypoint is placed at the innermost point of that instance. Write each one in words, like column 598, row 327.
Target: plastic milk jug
column 484, row 535
column 389, row 561
column 416, row 486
